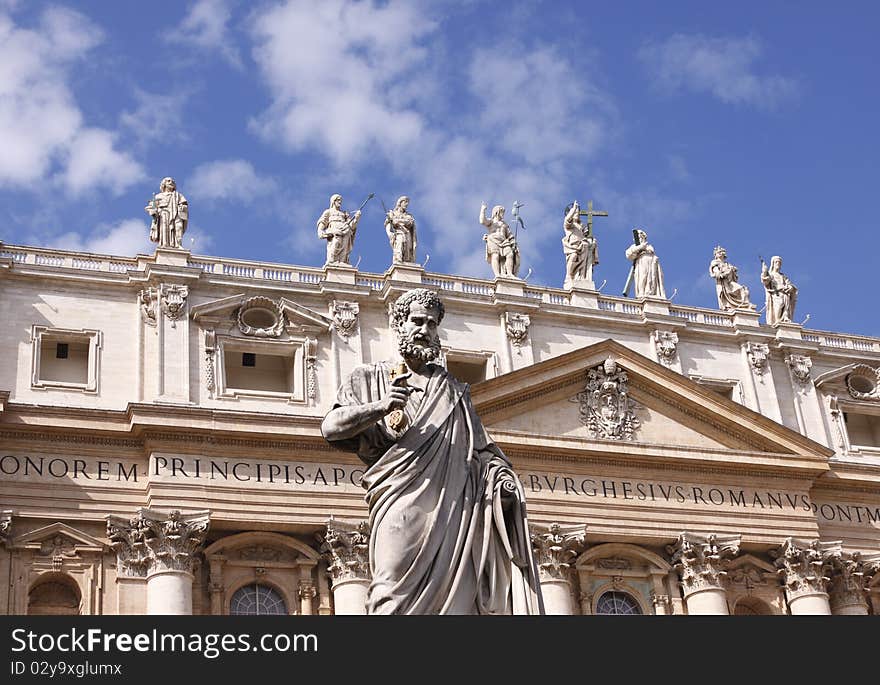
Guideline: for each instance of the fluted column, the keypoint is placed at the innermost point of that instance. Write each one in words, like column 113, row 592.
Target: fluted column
column 555, row 547
column 700, row 561
column 850, row 574
column 805, row 568
column 346, row 548
column 160, row 548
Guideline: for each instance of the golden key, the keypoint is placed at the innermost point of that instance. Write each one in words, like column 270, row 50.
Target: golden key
column 397, row 420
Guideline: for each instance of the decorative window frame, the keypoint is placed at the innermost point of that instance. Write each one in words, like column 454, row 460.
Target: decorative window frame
column 95, row 342
column 625, row 588
column 303, row 349
column 489, row 357
column 733, row 384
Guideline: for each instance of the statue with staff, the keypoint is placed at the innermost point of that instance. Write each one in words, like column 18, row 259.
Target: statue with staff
column 338, row 228
column 502, row 251
column 579, row 245
column 400, row 226
column 170, row 213
column 645, row 273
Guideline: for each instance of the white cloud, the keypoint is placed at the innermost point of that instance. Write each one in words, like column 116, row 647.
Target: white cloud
column 41, row 125
column 158, row 116
column 724, row 67
column 206, row 27
column 332, row 68
column 127, row 238
column 230, row 179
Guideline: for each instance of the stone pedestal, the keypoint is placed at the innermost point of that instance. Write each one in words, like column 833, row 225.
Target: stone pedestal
column 172, row 256
column 406, row 273
column 161, row 548
column 583, row 296
column 805, row 567
column 169, row 593
column 508, row 286
column 346, row 547
column 654, row 305
column 340, row 273
column 700, row 561
column 555, row 547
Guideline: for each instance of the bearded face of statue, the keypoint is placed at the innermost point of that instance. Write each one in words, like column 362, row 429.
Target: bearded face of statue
column 418, row 337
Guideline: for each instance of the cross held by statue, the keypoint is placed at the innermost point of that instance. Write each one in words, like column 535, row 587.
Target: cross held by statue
column 590, row 213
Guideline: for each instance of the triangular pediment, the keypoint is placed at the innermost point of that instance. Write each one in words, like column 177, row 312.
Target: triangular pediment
column 571, row 403
column 297, row 316
column 59, row 535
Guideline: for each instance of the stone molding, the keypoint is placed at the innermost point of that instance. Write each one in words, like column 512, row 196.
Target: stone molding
column 346, row 548
column 152, row 542
column 863, row 383
column 701, row 560
column 556, row 546
column 268, row 307
column 805, row 566
column 851, row 573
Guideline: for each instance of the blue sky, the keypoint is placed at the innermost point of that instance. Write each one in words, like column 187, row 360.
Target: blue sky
column 752, row 125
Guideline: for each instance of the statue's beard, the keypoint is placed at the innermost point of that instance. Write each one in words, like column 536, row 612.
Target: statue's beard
column 423, row 351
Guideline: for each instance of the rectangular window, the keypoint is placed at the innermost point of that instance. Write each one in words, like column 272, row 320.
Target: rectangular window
column 65, row 358
column 470, row 371
column 262, row 372
column 863, row 429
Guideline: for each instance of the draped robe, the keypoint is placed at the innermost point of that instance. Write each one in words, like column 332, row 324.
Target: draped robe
column 440, row 541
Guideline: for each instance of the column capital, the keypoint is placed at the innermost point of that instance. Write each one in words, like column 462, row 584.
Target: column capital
column 805, row 565
column 850, row 574
column 345, row 546
column 152, row 542
column 555, row 546
column 701, row 559
column 307, row 590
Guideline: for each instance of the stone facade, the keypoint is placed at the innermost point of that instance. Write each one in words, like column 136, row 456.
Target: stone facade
column 161, row 447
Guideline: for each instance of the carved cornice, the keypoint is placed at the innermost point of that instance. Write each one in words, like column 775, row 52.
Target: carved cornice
column 151, row 542
column 701, row 560
column 805, row 566
column 851, row 573
column 556, row 546
column 346, row 548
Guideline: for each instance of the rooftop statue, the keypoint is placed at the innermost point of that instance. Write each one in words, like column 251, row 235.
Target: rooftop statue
column 338, row 228
column 446, row 510
column 401, row 229
column 731, row 294
column 580, row 247
column 645, row 273
column 781, row 292
column 502, row 252
column 170, row 212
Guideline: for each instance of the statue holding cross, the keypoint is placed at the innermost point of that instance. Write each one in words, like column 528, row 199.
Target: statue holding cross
column 579, row 245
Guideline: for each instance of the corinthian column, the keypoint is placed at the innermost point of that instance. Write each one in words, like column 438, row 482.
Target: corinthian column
column 805, row 568
column 160, row 548
column 555, row 547
column 346, row 548
column 849, row 582
column 700, row 561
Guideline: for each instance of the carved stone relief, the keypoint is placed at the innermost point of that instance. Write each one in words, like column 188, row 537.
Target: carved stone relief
column 5, row 524
column 517, row 327
column 851, row 573
column 701, row 559
column 345, row 317
column 605, row 406
column 148, row 301
column 346, row 548
column 151, row 541
column 311, row 369
column 800, row 366
column 805, row 567
column 758, row 354
column 173, row 300
column 863, row 383
column 666, row 344
column 555, row 547
column 210, row 352
column 260, row 317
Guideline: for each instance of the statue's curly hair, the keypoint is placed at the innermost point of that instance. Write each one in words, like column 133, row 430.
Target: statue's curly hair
column 399, row 311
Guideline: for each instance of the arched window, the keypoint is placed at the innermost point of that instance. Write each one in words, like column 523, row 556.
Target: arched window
column 617, row 604
column 257, row 600
column 56, row 595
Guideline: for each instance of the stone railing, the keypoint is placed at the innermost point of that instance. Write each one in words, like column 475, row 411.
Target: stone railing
column 445, row 283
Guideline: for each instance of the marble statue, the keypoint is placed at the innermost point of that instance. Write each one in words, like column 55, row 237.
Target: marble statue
column 338, row 228
column 401, row 229
column 170, row 212
column 446, row 510
column 502, row 252
column 731, row 294
column 781, row 292
column 646, row 273
column 580, row 248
